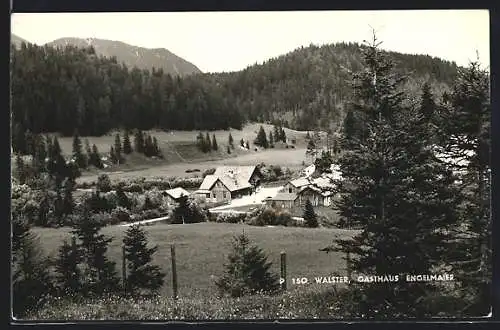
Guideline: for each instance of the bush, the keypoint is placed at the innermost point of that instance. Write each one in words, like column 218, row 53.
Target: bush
column 119, row 215
column 271, row 217
column 103, row 183
column 229, row 218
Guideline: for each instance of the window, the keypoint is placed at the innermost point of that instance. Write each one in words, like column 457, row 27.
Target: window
column 224, row 194
column 290, row 190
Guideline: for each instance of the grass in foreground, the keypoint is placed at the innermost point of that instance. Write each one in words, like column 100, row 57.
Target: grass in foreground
column 201, row 251
column 311, row 303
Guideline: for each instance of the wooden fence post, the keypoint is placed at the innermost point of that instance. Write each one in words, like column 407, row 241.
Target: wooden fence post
column 174, row 272
column 283, row 270
column 124, row 269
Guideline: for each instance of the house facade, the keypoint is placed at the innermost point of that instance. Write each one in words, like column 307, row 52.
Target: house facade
column 229, row 182
column 173, row 195
column 283, row 200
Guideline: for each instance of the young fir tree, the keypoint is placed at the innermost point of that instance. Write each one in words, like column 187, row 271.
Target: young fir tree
column 282, row 135
column 68, row 273
column 99, row 274
column 214, row 143
column 127, row 146
column 118, row 149
column 142, row 274
column 261, row 139
column 398, row 193
column 31, row 282
column 149, row 146
column 231, row 141
column 156, row 148
column 139, row 142
column 427, row 105
column 247, row 270
column 467, row 126
column 78, row 155
column 41, row 155
column 309, row 216
column 56, row 165
column 200, row 142
column 277, row 132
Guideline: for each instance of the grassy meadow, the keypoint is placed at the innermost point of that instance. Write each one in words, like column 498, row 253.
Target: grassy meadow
column 201, row 251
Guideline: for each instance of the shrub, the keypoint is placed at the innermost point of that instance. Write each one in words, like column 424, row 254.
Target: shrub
column 229, row 217
column 120, row 214
column 103, row 183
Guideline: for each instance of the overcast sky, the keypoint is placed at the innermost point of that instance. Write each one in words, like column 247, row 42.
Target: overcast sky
column 229, row 41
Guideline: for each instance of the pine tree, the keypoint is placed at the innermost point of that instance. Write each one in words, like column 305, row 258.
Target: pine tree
column 309, row 216
column 231, row 141
column 95, row 157
column 261, row 139
column 98, row 272
column 397, row 192
column 78, row 155
column 214, row 143
column 277, row 133
column 247, row 270
column 156, row 148
column 118, row 149
column 127, row 147
column 142, row 275
column 200, row 142
column 68, row 274
column 31, row 282
column 57, row 164
column 427, row 105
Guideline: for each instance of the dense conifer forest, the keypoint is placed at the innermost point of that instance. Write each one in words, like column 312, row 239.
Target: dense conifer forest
column 60, row 89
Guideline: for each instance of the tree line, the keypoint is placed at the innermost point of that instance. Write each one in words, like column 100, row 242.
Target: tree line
column 66, row 88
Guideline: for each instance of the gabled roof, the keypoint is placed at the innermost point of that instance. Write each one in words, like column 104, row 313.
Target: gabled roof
column 177, row 192
column 208, row 182
column 235, row 177
column 300, row 182
column 284, row 197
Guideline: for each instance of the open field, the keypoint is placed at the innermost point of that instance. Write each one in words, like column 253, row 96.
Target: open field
column 201, row 250
column 249, row 132
column 291, row 158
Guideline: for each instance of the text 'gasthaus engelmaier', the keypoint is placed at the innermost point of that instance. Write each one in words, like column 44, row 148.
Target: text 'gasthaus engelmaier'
column 372, row 279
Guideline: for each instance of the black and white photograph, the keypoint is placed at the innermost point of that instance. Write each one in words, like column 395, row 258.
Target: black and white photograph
column 250, row 165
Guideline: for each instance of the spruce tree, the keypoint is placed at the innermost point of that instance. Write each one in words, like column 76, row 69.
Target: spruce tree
column 95, row 157
column 231, row 141
column 271, row 139
column 396, row 191
column 214, row 143
column 208, row 143
column 467, row 125
column 142, row 274
column 156, row 148
column 247, row 270
column 277, row 132
column 21, row 169
column 118, row 149
column 282, row 135
column 127, row 147
column 57, row 164
column 427, row 105
column 68, row 273
column 228, row 149
column 261, row 139
column 31, row 282
column 139, row 142
column 112, row 155
column 41, row 155
column 200, row 142
column 78, row 155
column 98, row 272
column 309, row 216
column 88, row 151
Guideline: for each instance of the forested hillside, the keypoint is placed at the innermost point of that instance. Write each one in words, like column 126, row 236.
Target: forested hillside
column 63, row 89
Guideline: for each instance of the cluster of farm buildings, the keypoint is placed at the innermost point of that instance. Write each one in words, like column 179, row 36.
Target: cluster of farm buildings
column 232, row 182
